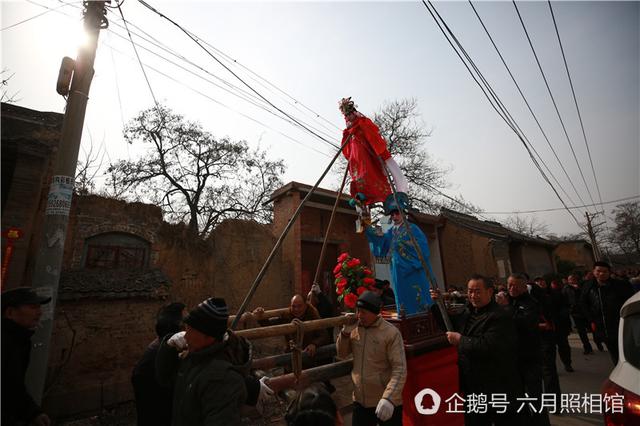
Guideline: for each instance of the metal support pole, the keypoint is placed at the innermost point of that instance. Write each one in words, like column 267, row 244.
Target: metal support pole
column 432, row 282
column 49, row 258
column 284, row 233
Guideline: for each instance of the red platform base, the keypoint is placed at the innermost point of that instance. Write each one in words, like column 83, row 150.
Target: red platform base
column 437, row 370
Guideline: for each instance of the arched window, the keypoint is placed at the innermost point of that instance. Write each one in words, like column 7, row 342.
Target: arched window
column 116, row 250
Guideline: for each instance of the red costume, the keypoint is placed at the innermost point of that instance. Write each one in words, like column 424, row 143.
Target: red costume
column 362, row 152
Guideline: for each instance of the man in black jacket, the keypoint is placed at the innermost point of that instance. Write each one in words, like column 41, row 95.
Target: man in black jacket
column 486, row 340
column 526, row 315
column 21, row 312
column 601, row 300
column 572, row 292
column 154, row 402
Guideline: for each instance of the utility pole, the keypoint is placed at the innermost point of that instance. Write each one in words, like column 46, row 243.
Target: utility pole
column 592, row 236
column 48, row 262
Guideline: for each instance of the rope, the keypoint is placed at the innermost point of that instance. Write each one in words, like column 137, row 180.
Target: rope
column 326, row 235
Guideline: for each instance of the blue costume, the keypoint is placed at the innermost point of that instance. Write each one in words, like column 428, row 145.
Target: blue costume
column 407, row 275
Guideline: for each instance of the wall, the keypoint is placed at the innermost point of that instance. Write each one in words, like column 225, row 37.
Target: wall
column 576, row 252
column 93, row 369
column 112, row 334
column 465, row 253
column 538, row 260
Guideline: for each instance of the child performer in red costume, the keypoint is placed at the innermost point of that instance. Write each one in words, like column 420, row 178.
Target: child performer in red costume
column 363, row 152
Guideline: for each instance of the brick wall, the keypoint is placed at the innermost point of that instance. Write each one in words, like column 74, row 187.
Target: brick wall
column 112, row 334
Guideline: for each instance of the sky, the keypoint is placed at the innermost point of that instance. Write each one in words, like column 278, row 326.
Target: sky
column 319, row 52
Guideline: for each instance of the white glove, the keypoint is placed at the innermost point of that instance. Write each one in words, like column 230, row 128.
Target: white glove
column 316, row 289
column 265, row 391
column 384, row 410
column 178, row 341
column 351, row 324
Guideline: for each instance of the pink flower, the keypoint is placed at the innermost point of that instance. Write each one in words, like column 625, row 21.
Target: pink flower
column 361, row 290
column 342, row 282
column 343, row 257
column 367, row 271
column 369, row 281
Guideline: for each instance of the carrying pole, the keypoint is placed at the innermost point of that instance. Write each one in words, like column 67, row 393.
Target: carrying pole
column 284, row 233
column 432, row 281
column 328, row 231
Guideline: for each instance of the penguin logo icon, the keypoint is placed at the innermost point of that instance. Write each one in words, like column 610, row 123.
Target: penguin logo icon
column 425, row 405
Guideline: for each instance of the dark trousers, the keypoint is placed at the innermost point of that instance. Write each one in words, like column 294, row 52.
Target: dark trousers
column 363, row 416
column 531, row 376
column 612, row 347
column 549, row 370
column 581, row 328
column 564, row 350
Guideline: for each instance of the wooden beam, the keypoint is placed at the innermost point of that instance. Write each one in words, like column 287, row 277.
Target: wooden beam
column 311, row 375
column 274, row 361
column 284, row 329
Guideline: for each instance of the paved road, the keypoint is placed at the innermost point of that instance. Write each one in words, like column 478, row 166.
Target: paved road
column 591, row 372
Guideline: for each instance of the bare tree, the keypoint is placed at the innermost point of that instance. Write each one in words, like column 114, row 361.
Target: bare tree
column 88, row 168
column 530, row 225
column 5, row 96
column 626, row 234
column 195, row 177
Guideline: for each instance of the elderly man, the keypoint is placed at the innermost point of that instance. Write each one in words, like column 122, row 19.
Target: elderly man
column 525, row 312
column 208, row 372
column 487, row 352
column 303, row 311
column 601, row 300
column 21, row 312
column 379, row 364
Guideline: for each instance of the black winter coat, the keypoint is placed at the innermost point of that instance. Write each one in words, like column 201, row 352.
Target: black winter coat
column 525, row 312
column 153, row 402
column 18, row 407
column 487, row 353
column 601, row 304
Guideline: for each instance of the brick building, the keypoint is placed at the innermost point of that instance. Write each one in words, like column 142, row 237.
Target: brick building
column 470, row 245
column 301, row 248
column 29, row 142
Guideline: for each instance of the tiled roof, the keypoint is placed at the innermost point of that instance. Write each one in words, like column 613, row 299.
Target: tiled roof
column 491, row 228
column 113, row 284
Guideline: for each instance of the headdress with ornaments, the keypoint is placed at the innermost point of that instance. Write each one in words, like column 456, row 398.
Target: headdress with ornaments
column 347, row 106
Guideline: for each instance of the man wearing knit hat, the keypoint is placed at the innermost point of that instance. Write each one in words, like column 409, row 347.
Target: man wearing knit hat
column 379, row 364
column 208, row 369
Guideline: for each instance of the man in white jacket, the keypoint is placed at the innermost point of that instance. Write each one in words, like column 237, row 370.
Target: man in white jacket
column 379, row 364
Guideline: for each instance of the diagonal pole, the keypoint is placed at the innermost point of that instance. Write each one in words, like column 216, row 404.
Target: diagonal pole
column 284, row 233
column 328, row 231
column 432, row 282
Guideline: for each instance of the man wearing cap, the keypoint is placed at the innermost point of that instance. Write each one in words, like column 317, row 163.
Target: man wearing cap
column 208, row 370
column 383, row 290
column 21, row 312
column 379, row 364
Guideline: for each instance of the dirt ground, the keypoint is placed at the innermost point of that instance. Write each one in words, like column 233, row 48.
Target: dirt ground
column 125, row 414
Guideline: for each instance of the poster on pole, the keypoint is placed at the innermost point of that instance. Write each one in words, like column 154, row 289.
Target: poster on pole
column 60, row 194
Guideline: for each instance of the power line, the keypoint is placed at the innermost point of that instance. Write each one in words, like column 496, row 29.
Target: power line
column 195, row 40
column 197, row 91
column 555, row 105
column 225, row 106
column 562, row 208
column 533, row 114
column 504, row 117
column 575, row 100
column 33, row 17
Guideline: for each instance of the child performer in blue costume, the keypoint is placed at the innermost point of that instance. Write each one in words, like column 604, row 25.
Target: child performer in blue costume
column 408, row 277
